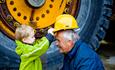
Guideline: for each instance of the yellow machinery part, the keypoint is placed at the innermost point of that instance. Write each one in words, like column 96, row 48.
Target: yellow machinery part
column 43, row 16
column 7, row 31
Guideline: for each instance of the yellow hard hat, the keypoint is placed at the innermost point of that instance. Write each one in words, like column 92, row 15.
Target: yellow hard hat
column 65, row 21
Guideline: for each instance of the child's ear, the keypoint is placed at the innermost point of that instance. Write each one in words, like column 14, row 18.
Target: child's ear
column 24, row 40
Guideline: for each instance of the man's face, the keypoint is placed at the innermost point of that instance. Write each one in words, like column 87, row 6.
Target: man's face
column 64, row 45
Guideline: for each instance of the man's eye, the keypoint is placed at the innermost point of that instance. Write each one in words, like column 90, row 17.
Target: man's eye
column 57, row 40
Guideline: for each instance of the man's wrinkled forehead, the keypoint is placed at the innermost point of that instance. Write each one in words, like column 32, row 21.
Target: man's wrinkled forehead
column 57, row 33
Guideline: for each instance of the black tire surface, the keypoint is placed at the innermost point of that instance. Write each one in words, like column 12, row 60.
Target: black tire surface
column 93, row 19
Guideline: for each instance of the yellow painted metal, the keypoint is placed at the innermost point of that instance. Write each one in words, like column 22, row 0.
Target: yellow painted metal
column 21, row 10
column 74, row 7
column 6, row 30
column 43, row 16
column 2, row 1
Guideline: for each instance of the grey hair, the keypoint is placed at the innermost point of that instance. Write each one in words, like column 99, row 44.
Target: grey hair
column 70, row 35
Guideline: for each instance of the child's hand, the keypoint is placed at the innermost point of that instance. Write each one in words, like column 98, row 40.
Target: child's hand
column 51, row 31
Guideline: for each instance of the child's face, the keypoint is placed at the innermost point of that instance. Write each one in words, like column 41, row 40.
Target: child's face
column 30, row 39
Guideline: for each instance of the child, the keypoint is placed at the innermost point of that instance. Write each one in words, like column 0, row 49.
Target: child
column 30, row 50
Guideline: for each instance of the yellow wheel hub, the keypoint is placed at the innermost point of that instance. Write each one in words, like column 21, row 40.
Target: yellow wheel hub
column 42, row 16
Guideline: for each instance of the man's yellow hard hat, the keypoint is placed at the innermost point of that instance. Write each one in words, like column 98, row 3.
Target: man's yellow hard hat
column 65, row 21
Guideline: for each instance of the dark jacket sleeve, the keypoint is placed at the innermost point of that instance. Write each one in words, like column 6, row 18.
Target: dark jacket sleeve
column 50, row 38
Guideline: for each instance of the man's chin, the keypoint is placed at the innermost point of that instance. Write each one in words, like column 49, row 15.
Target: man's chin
column 61, row 51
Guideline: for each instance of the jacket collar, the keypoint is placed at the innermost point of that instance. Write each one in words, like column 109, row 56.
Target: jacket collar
column 74, row 50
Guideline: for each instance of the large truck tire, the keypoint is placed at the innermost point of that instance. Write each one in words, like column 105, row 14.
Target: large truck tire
column 93, row 19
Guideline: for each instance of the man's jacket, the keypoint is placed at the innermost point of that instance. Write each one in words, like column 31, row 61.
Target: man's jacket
column 82, row 57
column 30, row 54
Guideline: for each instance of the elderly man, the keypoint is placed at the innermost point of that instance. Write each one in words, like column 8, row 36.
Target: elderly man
column 78, row 55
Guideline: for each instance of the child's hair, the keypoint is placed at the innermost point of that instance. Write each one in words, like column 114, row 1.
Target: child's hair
column 23, row 31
